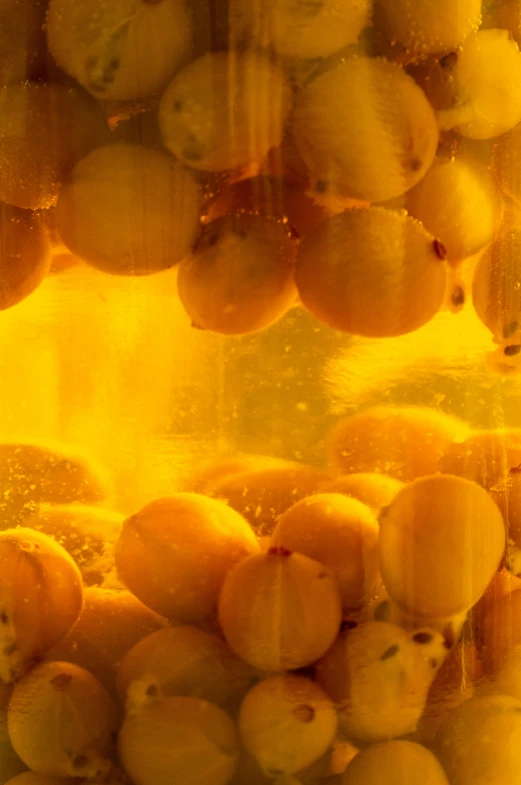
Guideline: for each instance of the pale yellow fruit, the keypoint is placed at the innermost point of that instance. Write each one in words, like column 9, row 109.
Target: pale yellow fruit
column 287, row 723
column 262, row 494
column 123, row 50
column 184, row 740
column 61, row 720
column 365, row 129
column 506, row 161
column 488, row 457
column 24, row 254
column 249, row 772
column 459, row 204
column 186, row 661
column 426, row 26
column 240, row 276
column 379, row 678
column 128, row 209
column 110, row 624
column 479, row 743
column 175, row 553
column 501, row 630
column 36, row 473
column 341, row 534
column 296, row 29
column 33, row 165
column 441, row 541
column 486, row 77
column 87, row 533
column 373, row 489
column 393, row 762
column 225, row 110
column 279, row 610
column 405, row 442
column 41, row 597
column 372, row 272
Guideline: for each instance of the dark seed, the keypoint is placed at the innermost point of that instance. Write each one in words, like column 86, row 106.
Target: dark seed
column 458, row 296
column 515, row 469
column 151, row 690
column 178, row 105
column 434, row 663
column 511, row 351
column 80, row 761
column 348, row 624
column 439, row 249
column 392, row 651
column 416, row 164
column 10, row 649
column 4, row 618
column 422, row 637
column 320, row 186
column 449, row 61
column 279, row 550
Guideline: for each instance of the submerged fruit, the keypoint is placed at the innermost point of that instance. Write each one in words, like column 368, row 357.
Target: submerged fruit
column 61, row 720
column 279, row 610
column 286, row 723
column 175, row 553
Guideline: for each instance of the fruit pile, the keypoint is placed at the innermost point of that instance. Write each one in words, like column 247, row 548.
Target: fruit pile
column 345, row 157
column 272, row 623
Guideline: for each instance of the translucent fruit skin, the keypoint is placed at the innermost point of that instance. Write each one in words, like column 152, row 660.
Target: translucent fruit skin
column 458, row 204
column 379, row 678
column 373, row 489
column 405, row 442
column 341, row 534
column 393, row 762
column 426, row 535
column 32, row 117
column 122, row 50
column 479, row 743
column 179, row 739
column 86, row 533
column 41, row 597
column 366, row 129
column 239, row 278
column 24, row 254
column 371, row 272
column 489, row 458
column 129, row 210
column 262, row 494
column 287, row 723
column 174, row 554
column 489, row 101
column 60, row 721
column 279, row 611
column 110, row 624
column 184, row 660
column 10, row 764
column 36, row 473
column 216, row 135
column 496, row 295
column 295, row 30
column 431, row 26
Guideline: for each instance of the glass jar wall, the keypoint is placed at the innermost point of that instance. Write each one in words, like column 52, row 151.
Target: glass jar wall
column 260, row 434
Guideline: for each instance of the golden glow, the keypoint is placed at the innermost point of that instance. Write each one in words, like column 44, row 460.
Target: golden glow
column 110, row 365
